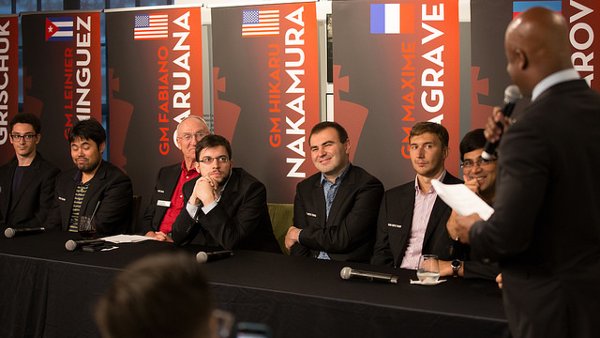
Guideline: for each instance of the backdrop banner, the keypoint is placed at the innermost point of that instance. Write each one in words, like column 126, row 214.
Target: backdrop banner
column 62, row 81
column 395, row 63
column 9, row 77
column 154, row 77
column 489, row 19
column 266, row 90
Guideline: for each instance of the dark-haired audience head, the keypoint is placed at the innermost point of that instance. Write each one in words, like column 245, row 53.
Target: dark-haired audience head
column 329, row 148
column 473, row 140
column 428, row 149
column 87, row 140
column 25, row 133
column 163, row 295
column 213, row 158
column 475, row 167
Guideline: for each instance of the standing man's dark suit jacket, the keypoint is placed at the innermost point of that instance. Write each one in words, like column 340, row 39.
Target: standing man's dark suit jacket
column 545, row 230
column 395, row 223
column 30, row 205
column 239, row 221
column 109, row 185
column 348, row 233
column 163, row 191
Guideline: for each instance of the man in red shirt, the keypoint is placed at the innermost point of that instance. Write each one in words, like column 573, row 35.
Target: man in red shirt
column 167, row 198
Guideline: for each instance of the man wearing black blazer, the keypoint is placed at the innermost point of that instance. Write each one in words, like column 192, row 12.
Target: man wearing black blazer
column 335, row 210
column 545, row 231
column 226, row 207
column 27, row 181
column 167, row 198
column 93, row 188
column 412, row 219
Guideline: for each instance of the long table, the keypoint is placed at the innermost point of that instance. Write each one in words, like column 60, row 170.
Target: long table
column 46, row 291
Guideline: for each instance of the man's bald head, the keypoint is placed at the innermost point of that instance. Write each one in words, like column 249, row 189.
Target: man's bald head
column 536, row 45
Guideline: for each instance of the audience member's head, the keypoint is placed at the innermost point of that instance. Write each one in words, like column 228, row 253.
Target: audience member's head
column 189, row 132
column 476, row 167
column 536, row 45
column 163, row 295
column 428, row 148
column 87, row 140
column 24, row 130
column 330, row 148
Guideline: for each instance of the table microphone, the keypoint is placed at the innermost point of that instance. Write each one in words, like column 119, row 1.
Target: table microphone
column 203, row 257
column 349, row 273
column 72, row 245
column 12, row 232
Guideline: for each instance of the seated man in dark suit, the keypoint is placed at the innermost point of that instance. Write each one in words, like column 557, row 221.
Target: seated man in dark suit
column 412, row 219
column 27, row 181
column 227, row 207
column 167, row 198
column 335, row 210
column 94, row 187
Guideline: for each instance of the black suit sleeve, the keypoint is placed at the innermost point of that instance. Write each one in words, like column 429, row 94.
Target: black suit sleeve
column 115, row 206
column 299, row 222
column 382, row 253
column 46, row 198
column 353, row 228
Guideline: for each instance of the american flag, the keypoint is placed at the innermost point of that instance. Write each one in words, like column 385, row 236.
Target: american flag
column 260, row 22
column 151, row 27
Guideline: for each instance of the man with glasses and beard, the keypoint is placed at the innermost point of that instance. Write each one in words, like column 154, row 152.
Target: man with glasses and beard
column 167, row 198
column 226, row 207
column 94, row 187
column 27, row 181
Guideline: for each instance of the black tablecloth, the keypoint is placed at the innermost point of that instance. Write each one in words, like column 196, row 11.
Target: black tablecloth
column 46, row 291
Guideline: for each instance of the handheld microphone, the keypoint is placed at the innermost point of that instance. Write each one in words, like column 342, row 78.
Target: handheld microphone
column 12, row 232
column 72, row 245
column 349, row 273
column 511, row 95
column 203, row 257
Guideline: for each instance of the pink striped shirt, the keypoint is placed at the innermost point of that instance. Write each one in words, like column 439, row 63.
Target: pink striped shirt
column 424, row 201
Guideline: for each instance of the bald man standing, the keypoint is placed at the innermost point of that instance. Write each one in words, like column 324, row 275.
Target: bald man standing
column 545, row 231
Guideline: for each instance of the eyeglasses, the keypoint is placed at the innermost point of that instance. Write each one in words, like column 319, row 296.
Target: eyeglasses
column 209, row 160
column 19, row 137
column 469, row 164
column 188, row 137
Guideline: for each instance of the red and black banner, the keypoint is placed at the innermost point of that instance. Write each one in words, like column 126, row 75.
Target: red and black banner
column 395, row 63
column 489, row 19
column 266, row 90
column 154, row 79
column 9, row 76
column 62, row 80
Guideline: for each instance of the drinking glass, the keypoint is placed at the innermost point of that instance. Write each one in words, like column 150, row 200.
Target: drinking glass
column 429, row 269
column 87, row 227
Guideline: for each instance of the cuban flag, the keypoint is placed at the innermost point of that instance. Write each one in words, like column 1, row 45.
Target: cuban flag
column 393, row 18
column 521, row 6
column 59, row 28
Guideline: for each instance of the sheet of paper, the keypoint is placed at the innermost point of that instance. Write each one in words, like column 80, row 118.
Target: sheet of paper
column 460, row 198
column 126, row 238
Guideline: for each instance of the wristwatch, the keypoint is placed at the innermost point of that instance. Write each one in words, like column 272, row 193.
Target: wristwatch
column 456, row 264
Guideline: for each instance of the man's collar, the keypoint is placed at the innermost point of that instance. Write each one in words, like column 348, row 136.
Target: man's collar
column 439, row 178
column 552, row 79
column 337, row 179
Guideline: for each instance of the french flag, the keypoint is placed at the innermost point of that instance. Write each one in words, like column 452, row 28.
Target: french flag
column 393, row 18
column 521, row 6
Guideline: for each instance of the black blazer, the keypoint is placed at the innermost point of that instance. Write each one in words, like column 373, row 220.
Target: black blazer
column 545, row 230
column 109, row 185
column 163, row 191
column 395, row 223
column 30, row 205
column 239, row 221
column 349, row 232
